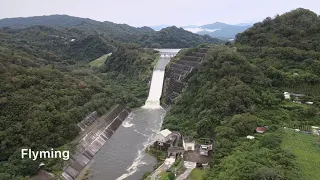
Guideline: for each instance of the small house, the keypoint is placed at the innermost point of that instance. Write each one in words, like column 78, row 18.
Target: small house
column 286, row 95
column 188, row 143
column 250, row 137
column 261, row 130
column 163, row 136
column 164, row 140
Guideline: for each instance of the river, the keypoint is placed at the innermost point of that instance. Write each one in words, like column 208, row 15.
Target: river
column 123, row 156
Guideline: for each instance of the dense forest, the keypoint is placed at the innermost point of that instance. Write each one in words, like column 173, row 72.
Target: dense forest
column 240, row 87
column 47, row 86
column 112, row 33
column 131, row 60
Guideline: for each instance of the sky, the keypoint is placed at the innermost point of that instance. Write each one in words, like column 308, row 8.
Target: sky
column 158, row 12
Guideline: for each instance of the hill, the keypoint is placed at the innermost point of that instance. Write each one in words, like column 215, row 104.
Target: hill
column 222, row 30
column 133, row 61
column 240, row 87
column 55, row 45
column 173, row 37
column 218, row 30
column 47, row 87
column 299, row 28
column 111, row 32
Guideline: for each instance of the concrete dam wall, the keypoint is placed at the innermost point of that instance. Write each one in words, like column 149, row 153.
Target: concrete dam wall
column 93, row 140
column 176, row 75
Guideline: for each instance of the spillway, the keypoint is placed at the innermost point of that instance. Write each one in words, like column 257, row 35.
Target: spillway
column 122, row 156
column 155, row 91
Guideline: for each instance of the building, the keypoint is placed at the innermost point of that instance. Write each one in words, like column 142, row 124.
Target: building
column 261, row 130
column 164, row 140
column 315, row 130
column 250, row 137
column 205, row 146
column 295, row 96
column 286, row 95
column 163, row 136
column 204, row 150
column 188, row 143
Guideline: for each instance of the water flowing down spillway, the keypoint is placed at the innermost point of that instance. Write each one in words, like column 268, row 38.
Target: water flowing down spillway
column 155, row 91
column 123, row 156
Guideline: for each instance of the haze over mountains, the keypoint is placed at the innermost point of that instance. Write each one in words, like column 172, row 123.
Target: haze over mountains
column 112, row 33
column 216, row 30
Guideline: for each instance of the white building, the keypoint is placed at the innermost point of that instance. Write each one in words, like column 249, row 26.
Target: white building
column 163, row 136
column 188, row 143
column 250, row 137
column 286, row 95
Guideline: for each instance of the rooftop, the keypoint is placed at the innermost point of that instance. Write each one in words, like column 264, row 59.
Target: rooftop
column 165, row 132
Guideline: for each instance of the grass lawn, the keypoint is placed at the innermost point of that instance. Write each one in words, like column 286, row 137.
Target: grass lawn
column 197, row 174
column 307, row 150
column 100, row 61
column 165, row 176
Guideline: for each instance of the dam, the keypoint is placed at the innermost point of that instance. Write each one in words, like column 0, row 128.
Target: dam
column 122, row 156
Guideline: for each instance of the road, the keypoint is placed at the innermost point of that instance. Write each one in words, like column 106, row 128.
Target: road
column 190, row 166
column 166, row 165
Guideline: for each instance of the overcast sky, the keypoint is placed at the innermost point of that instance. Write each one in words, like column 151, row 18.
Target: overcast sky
column 156, row 12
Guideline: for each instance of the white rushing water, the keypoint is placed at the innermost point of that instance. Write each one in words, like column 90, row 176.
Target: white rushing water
column 153, row 101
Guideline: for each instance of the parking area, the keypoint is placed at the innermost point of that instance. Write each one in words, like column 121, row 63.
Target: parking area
column 194, row 156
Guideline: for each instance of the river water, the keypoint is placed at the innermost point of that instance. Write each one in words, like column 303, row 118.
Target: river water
column 122, row 156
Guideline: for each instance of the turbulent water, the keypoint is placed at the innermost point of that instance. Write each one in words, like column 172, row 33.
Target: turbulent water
column 153, row 100
column 122, row 156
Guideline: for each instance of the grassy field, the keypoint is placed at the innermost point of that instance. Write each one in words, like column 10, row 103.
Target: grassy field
column 166, row 176
column 100, row 61
column 307, row 150
column 197, row 174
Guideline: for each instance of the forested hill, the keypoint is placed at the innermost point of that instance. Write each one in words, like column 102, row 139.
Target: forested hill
column 133, row 61
column 173, row 37
column 299, row 28
column 47, row 87
column 240, row 87
column 51, row 45
column 113, row 32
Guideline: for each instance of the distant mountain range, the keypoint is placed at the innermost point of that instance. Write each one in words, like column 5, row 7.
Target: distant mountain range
column 217, row 30
column 111, row 33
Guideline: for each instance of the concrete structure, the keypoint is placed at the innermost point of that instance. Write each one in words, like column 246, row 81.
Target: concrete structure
column 204, row 149
column 189, row 167
column 188, row 143
column 90, row 142
column 166, row 165
column 163, row 136
column 286, row 95
column 315, row 130
column 164, row 140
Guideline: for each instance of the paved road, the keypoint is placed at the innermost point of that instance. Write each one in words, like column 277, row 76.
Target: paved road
column 166, row 165
column 190, row 166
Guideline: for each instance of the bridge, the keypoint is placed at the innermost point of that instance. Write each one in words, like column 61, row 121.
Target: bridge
column 168, row 53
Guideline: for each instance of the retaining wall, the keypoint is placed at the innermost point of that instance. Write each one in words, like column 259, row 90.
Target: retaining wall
column 90, row 144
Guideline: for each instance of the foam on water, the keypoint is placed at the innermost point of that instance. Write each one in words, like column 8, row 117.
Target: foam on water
column 127, row 124
column 138, row 160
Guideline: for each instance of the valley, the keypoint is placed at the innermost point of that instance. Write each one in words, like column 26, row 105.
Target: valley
column 135, row 103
